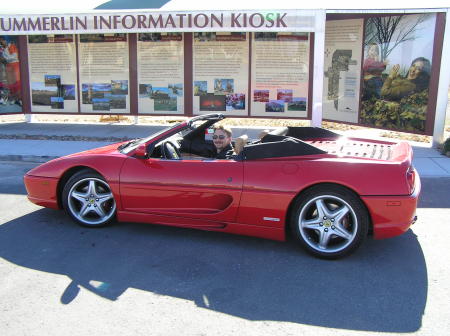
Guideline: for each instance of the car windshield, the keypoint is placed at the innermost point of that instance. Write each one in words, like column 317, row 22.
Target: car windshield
column 133, row 144
column 194, row 127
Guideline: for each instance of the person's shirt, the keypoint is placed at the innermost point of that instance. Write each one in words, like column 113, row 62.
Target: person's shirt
column 10, row 54
column 397, row 88
column 206, row 149
column 226, row 153
column 373, row 66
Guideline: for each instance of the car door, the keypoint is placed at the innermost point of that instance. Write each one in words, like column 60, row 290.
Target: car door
column 200, row 189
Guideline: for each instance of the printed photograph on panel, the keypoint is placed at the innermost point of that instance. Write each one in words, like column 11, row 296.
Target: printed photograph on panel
column 119, row 87
column 176, row 89
column 275, row 106
column 41, row 94
column 396, row 71
column 87, row 93
column 223, row 86
column 200, row 88
column 10, row 84
column 100, row 104
column 211, row 102
column 235, row 101
column 57, row 102
column 145, row 90
column 68, row 91
column 261, row 96
column 297, row 104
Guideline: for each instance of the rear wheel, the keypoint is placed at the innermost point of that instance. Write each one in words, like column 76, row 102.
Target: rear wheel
column 329, row 221
column 88, row 199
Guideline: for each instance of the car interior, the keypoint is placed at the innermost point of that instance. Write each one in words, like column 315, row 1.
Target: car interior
column 195, row 143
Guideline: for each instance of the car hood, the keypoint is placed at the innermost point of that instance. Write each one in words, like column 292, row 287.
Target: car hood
column 99, row 159
column 108, row 149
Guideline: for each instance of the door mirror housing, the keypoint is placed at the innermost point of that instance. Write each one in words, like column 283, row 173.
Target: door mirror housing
column 141, row 151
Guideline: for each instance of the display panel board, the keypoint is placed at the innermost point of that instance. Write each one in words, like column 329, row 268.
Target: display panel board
column 220, row 73
column 342, row 65
column 396, row 71
column 104, row 73
column 280, row 73
column 161, row 73
column 53, row 73
column 10, row 84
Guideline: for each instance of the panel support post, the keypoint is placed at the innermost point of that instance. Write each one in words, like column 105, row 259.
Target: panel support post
column 29, row 118
column 444, row 82
column 319, row 59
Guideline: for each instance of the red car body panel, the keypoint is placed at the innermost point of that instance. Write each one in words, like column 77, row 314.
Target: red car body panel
column 243, row 197
column 42, row 190
column 392, row 215
column 107, row 161
column 209, row 190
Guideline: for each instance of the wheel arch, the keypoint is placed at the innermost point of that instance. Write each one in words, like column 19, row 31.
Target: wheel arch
column 290, row 210
column 66, row 176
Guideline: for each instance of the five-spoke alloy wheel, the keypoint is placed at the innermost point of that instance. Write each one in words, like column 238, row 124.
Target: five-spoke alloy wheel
column 329, row 221
column 88, row 199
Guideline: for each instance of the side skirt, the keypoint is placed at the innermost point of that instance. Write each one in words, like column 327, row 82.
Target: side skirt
column 234, row 228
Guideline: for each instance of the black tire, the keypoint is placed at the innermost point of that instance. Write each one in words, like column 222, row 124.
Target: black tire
column 88, row 199
column 329, row 221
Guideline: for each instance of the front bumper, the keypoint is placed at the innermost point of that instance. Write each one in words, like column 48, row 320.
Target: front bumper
column 393, row 215
column 42, row 190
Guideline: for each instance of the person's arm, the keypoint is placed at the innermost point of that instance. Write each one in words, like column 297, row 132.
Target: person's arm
column 396, row 88
column 198, row 147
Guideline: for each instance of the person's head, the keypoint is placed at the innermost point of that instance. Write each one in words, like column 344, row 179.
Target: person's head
column 419, row 73
column 221, row 137
column 373, row 51
column 3, row 42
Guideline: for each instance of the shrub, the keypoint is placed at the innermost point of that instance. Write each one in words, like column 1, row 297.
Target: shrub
column 446, row 147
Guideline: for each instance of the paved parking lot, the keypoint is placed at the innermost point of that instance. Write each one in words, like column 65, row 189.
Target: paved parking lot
column 57, row 278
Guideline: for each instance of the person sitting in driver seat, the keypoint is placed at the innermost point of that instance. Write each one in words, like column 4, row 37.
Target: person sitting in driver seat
column 222, row 141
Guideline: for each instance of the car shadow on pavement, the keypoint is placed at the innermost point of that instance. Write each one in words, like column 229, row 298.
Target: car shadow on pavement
column 382, row 287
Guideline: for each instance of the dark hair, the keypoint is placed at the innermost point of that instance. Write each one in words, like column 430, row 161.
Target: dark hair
column 423, row 79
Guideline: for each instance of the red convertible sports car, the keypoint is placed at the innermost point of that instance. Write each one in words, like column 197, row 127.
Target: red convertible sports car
column 327, row 191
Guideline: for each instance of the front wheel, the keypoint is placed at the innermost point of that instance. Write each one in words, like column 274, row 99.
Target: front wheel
column 88, row 199
column 329, row 221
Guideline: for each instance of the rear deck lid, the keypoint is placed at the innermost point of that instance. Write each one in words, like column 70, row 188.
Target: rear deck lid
column 365, row 148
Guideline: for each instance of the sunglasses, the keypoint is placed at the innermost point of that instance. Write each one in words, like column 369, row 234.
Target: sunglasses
column 221, row 137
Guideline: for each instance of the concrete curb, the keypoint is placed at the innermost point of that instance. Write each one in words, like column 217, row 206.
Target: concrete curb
column 27, row 158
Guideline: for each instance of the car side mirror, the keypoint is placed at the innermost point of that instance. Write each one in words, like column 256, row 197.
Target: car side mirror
column 141, row 151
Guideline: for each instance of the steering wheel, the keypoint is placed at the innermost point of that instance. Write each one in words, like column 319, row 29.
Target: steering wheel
column 170, row 151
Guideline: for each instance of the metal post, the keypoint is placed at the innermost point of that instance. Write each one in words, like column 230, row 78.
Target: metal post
column 319, row 59
column 29, row 118
column 444, row 82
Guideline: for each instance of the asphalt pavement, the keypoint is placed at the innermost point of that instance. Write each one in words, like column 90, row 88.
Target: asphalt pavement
column 40, row 142
column 137, row 279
